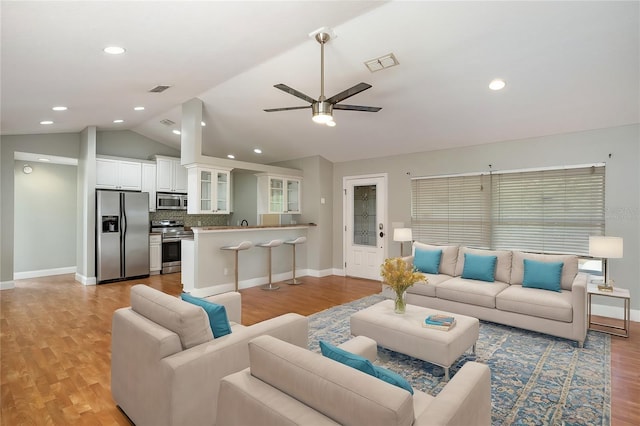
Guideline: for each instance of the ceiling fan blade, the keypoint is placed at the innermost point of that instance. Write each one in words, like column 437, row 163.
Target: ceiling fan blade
column 294, row 92
column 349, row 92
column 357, row 108
column 286, row 108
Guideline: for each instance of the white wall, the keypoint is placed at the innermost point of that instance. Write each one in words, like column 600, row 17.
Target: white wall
column 622, row 182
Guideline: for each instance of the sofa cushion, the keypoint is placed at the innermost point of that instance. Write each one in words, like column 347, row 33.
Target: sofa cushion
column 542, row 275
column 448, row 259
column 363, row 364
column 569, row 269
column 342, row 393
column 470, row 291
column 503, row 264
column 428, row 288
column 427, row 260
column 188, row 321
column 477, row 267
column 217, row 314
column 536, row 303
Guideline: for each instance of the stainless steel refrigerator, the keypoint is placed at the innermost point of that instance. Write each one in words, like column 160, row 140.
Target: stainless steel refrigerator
column 122, row 235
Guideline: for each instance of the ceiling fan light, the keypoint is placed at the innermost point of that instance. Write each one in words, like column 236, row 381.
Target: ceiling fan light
column 322, row 118
column 331, row 123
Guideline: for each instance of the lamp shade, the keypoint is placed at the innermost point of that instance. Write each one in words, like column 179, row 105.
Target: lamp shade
column 402, row 234
column 605, row 247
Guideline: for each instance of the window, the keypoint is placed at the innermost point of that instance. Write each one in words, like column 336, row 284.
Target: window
column 549, row 211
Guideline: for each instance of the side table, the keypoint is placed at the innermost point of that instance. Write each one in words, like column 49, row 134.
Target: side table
column 619, row 293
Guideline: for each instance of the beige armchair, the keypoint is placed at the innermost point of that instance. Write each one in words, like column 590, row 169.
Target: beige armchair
column 166, row 366
column 288, row 385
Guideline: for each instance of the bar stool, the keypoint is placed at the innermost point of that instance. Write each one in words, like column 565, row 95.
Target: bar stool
column 242, row 246
column 293, row 243
column 269, row 245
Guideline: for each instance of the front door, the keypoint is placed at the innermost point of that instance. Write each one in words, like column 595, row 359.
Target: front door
column 365, row 228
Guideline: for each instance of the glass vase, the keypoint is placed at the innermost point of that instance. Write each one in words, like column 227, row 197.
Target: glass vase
column 401, row 302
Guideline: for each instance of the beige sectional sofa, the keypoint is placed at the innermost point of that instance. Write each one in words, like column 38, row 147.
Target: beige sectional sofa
column 166, row 366
column 288, row 385
column 505, row 300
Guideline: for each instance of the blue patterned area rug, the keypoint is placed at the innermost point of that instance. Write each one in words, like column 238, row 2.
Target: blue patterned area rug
column 536, row 379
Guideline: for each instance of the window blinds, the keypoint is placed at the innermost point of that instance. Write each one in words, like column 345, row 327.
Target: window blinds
column 550, row 211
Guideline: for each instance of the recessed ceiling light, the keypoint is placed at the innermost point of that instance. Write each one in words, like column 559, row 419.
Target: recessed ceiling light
column 257, row 151
column 138, row 108
column 231, row 156
column 497, row 84
column 46, row 122
column 114, row 50
column 59, row 108
column 202, row 123
column 46, row 160
column 177, row 132
column 119, row 120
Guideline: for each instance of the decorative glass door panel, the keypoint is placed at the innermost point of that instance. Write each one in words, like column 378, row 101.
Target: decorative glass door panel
column 205, row 190
column 222, row 191
column 293, row 191
column 276, row 195
column 364, row 215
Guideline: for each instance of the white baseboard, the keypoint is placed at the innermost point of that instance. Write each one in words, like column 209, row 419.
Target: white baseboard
column 7, row 285
column 44, row 273
column 84, row 280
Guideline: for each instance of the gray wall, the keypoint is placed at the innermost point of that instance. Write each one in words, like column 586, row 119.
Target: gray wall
column 84, row 147
column 245, row 198
column 316, row 185
column 622, row 181
column 61, row 144
column 125, row 143
column 45, row 217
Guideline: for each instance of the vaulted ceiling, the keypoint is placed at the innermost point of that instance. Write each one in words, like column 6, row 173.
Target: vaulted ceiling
column 568, row 66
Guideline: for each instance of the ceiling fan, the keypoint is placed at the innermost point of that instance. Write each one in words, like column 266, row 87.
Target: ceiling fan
column 322, row 109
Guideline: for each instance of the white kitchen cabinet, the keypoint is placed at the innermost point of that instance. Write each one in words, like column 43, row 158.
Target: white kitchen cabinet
column 118, row 174
column 171, row 175
column 149, row 183
column 208, row 190
column 279, row 194
column 155, row 253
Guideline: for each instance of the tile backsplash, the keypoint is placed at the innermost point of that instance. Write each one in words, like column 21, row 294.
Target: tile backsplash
column 191, row 219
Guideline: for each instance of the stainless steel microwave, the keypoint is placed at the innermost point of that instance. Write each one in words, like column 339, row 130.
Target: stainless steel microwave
column 171, row 201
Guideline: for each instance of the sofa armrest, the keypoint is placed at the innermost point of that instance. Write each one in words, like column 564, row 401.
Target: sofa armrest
column 579, row 304
column 465, row 400
column 232, row 302
column 200, row 368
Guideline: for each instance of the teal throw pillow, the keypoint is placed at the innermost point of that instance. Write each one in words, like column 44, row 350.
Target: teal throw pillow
column 478, row 267
column 363, row 364
column 542, row 275
column 217, row 314
column 427, row 261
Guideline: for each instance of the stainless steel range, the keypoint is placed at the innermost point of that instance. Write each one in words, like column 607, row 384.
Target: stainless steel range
column 173, row 233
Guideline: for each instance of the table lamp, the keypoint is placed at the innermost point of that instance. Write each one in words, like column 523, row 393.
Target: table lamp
column 605, row 248
column 402, row 235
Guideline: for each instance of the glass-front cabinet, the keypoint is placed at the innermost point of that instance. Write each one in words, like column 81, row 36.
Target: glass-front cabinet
column 279, row 194
column 209, row 190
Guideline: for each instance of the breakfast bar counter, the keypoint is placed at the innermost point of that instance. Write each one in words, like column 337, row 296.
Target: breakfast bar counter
column 208, row 270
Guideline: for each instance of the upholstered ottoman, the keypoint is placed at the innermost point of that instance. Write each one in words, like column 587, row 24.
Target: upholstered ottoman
column 405, row 334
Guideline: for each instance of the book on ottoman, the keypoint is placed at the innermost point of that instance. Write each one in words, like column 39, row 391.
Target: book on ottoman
column 439, row 322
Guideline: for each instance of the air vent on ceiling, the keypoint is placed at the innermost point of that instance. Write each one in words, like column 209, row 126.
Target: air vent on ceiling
column 386, row 61
column 159, row 89
column 167, row 122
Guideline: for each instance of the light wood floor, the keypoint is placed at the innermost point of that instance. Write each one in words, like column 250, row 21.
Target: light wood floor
column 55, row 338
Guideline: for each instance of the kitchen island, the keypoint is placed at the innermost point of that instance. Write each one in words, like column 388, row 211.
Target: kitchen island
column 208, row 270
